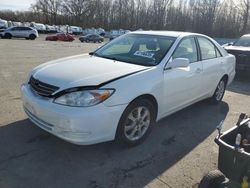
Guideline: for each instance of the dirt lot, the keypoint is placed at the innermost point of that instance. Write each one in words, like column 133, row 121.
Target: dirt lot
column 177, row 153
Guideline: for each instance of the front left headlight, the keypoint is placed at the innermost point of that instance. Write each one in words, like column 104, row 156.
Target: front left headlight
column 84, row 98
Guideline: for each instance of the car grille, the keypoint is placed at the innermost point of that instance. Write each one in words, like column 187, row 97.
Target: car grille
column 43, row 89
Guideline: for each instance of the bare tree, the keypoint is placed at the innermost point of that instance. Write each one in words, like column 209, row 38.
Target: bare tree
column 219, row 18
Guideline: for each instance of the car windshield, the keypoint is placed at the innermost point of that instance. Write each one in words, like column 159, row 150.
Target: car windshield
column 139, row 49
column 243, row 41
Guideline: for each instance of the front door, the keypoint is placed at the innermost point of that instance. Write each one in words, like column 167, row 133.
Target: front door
column 182, row 86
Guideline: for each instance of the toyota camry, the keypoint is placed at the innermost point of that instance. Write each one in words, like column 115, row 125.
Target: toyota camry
column 120, row 90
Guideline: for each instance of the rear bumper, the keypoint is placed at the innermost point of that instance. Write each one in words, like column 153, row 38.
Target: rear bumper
column 81, row 126
column 231, row 77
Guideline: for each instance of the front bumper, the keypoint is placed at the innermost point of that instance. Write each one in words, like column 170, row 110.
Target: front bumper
column 83, row 126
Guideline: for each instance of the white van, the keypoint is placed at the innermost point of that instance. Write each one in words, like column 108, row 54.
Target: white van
column 41, row 28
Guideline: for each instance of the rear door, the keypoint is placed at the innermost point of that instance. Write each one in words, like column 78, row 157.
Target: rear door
column 26, row 31
column 20, row 32
column 92, row 37
column 182, row 86
column 212, row 61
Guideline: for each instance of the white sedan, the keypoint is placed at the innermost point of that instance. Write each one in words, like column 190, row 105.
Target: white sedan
column 123, row 88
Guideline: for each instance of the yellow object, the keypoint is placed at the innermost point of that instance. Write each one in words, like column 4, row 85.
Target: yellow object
column 244, row 184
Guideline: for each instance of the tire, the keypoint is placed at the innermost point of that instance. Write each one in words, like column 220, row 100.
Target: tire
column 7, row 36
column 219, row 92
column 138, row 129
column 32, row 37
column 212, row 180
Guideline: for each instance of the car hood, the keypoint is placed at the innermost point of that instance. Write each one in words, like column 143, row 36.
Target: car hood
column 83, row 70
column 237, row 48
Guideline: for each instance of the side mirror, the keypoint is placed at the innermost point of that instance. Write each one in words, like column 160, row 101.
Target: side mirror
column 178, row 63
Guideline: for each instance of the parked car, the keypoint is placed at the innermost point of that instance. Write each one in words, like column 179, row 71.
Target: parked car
column 3, row 23
column 124, row 87
column 2, row 28
column 76, row 30
column 51, row 29
column 20, row 32
column 91, row 38
column 241, row 50
column 101, row 32
column 116, row 33
column 41, row 28
column 64, row 29
column 60, row 37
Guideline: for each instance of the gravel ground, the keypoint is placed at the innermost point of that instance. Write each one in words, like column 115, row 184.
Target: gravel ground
column 177, row 154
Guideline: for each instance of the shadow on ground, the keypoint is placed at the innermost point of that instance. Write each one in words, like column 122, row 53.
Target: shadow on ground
column 30, row 157
column 240, row 85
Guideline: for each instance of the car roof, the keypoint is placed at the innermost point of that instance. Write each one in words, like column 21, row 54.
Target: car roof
column 166, row 33
column 247, row 35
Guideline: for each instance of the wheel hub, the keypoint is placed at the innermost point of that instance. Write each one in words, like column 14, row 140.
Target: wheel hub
column 137, row 123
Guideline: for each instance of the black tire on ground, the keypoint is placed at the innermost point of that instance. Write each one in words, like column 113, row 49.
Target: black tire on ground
column 7, row 36
column 120, row 133
column 32, row 37
column 212, row 180
column 219, row 92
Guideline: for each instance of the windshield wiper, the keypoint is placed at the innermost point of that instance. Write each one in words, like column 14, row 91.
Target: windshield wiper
column 106, row 57
column 93, row 53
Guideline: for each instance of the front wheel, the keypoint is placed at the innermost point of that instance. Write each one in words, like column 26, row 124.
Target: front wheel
column 136, row 122
column 219, row 92
column 32, row 37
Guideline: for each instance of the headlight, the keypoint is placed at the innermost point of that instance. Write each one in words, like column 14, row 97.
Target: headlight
column 84, row 98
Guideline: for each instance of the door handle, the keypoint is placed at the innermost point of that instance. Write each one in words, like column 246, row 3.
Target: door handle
column 198, row 71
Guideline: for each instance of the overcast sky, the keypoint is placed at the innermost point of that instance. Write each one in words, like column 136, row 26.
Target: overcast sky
column 16, row 4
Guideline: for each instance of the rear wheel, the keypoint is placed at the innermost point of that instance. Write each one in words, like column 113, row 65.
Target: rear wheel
column 219, row 92
column 212, row 180
column 136, row 122
column 7, row 36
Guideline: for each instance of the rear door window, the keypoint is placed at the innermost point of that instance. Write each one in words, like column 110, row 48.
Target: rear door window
column 208, row 49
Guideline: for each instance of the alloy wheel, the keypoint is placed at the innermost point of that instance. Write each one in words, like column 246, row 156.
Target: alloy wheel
column 137, row 123
column 220, row 90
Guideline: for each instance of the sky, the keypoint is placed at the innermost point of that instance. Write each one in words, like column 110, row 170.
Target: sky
column 16, row 4
column 22, row 4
